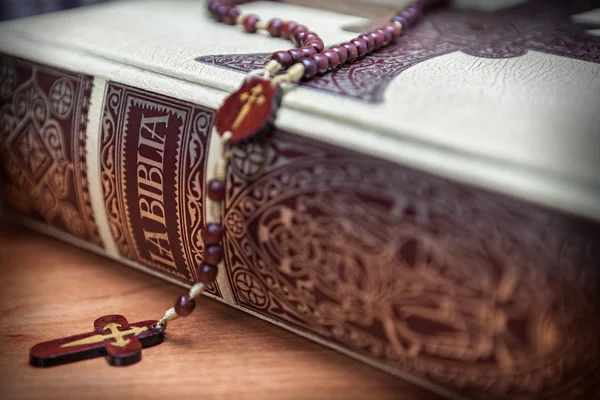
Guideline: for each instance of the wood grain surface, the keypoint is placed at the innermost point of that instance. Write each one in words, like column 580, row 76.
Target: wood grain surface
column 50, row 290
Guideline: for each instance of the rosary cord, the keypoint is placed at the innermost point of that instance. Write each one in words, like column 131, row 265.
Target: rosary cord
column 310, row 59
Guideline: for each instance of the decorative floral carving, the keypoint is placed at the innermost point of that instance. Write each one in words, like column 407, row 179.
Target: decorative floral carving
column 43, row 158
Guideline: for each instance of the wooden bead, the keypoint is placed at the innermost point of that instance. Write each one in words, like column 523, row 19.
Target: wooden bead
column 284, row 58
column 213, row 7
column 212, row 234
column 298, row 35
column 274, row 27
column 309, row 36
column 310, row 68
column 287, row 28
column 216, row 190
column 308, row 51
column 206, row 273
column 387, row 36
column 369, row 41
column 250, row 23
column 411, row 15
column 378, row 38
column 184, row 305
column 231, row 16
column 296, row 54
column 317, row 44
column 213, row 254
column 361, row 46
column 322, row 63
column 342, row 54
column 394, row 30
column 351, row 51
column 222, row 12
column 333, row 58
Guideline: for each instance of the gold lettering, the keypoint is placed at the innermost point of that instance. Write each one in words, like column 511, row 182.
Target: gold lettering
column 153, row 210
column 163, row 253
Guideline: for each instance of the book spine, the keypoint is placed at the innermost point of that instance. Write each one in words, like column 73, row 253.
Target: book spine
column 467, row 292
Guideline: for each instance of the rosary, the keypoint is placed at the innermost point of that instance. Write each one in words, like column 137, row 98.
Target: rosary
column 246, row 113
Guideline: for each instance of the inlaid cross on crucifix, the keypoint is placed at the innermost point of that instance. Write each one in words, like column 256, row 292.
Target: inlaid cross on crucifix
column 113, row 337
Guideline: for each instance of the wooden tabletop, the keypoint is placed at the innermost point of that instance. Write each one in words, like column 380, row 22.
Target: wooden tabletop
column 52, row 290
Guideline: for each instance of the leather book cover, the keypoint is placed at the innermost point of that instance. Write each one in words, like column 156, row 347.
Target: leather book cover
column 432, row 210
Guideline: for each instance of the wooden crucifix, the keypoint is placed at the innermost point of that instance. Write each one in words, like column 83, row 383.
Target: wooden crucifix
column 113, row 337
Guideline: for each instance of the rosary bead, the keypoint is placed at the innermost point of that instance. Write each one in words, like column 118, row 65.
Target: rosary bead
column 394, row 29
column 361, row 46
column 274, row 27
column 317, row 44
column 222, row 12
column 287, row 28
column 342, row 54
column 351, row 51
column 322, row 63
column 231, row 16
column 212, row 234
column 284, row 58
column 296, row 54
column 411, row 15
column 184, row 305
column 213, row 254
column 310, row 68
column 216, row 190
column 213, row 7
column 387, row 36
column 250, row 23
column 206, row 273
column 370, row 42
column 298, row 35
column 308, row 37
column 308, row 51
column 332, row 58
column 378, row 38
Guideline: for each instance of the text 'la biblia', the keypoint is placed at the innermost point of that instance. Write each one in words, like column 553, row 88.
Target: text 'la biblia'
column 150, row 160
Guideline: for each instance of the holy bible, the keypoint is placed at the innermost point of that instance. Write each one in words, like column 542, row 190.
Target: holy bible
column 432, row 210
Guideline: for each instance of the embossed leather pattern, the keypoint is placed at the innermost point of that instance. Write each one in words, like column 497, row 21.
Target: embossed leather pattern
column 43, row 115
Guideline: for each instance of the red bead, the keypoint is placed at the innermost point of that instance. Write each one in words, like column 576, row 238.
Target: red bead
column 310, row 68
column 369, row 41
column 317, row 44
column 333, row 58
column 206, row 273
column 394, row 30
column 213, row 7
column 274, row 27
column 309, row 36
column 298, row 35
column 284, row 58
column 387, row 36
column 361, row 46
column 184, row 305
column 322, row 63
column 379, row 39
column 411, row 15
column 287, row 28
column 351, row 51
column 213, row 254
column 216, row 190
column 231, row 16
column 250, row 23
column 296, row 54
column 308, row 51
column 212, row 234
column 342, row 54
column 222, row 13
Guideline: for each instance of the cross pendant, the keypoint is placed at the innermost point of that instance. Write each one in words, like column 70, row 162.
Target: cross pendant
column 113, row 337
